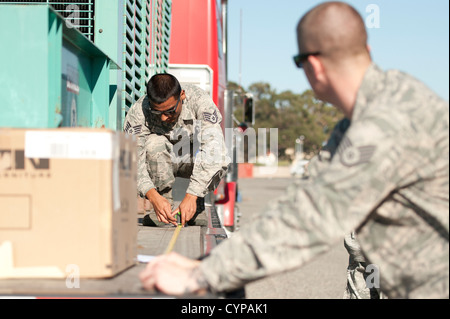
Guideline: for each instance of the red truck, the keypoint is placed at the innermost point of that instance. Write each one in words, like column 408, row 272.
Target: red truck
column 198, row 55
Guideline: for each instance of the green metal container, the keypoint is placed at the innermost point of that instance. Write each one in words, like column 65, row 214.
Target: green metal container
column 51, row 74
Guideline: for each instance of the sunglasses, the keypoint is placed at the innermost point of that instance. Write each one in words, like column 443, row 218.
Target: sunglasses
column 299, row 59
column 168, row 112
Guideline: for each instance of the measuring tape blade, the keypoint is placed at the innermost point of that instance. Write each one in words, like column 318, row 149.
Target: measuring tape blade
column 174, row 239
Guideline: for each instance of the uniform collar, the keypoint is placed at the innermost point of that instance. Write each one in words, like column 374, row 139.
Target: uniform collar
column 186, row 113
column 371, row 86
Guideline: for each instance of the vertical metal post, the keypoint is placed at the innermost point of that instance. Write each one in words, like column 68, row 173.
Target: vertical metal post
column 240, row 54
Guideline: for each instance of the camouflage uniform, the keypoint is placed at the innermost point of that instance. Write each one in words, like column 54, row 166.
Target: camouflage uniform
column 193, row 147
column 359, row 285
column 387, row 180
column 357, row 274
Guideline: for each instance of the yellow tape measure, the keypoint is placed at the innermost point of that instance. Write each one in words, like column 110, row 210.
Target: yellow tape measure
column 174, row 236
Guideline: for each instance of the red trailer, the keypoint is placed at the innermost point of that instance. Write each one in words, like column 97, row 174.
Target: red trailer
column 198, row 55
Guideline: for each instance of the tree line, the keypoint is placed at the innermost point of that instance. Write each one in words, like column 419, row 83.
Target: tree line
column 293, row 114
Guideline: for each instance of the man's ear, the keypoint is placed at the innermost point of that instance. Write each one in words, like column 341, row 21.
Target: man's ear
column 183, row 95
column 317, row 68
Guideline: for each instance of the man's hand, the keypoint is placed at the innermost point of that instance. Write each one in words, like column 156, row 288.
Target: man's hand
column 162, row 207
column 174, row 275
column 187, row 208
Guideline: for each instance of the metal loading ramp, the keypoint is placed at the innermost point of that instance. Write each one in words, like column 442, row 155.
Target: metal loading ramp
column 154, row 242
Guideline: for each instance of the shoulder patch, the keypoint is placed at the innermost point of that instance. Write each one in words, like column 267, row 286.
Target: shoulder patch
column 351, row 155
column 211, row 117
column 133, row 130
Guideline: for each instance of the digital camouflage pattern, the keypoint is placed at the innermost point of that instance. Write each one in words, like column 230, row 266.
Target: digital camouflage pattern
column 193, row 147
column 359, row 284
column 387, row 179
column 361, row 277
column 358, row 276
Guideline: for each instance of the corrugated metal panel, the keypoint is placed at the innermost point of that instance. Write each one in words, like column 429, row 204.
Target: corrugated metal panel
column 161, row 36
column 132, row 57
column 80, row 13
column 146, row 44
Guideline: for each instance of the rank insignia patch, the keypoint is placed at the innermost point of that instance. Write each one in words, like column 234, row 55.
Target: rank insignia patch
column 211, row 117
column 351, row 155
column 135, row 130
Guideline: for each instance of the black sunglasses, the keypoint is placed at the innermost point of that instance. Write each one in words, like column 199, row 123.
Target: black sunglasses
column 299, row 59
column 168, row 112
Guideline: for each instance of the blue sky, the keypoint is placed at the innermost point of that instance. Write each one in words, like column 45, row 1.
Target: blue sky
column 412, row 36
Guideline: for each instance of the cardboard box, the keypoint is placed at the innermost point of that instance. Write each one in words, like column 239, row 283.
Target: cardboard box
column 67, row 203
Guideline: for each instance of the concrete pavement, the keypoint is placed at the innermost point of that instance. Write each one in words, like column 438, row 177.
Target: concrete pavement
column 322, row 278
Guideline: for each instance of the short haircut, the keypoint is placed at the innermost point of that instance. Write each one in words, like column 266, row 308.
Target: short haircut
column 162, row 87
column 334, row 28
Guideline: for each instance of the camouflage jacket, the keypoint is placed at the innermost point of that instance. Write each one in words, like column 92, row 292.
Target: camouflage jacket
column 199, row 123
column 386, row 176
